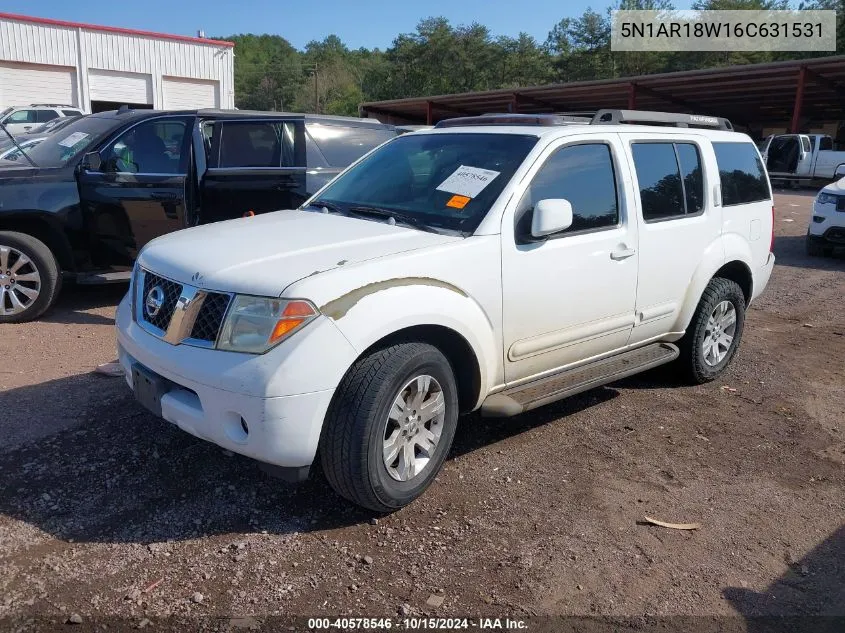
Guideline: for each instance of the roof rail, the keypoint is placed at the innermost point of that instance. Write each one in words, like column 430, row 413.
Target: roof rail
column 675, row 119
column 513, row 119
column 52, row 105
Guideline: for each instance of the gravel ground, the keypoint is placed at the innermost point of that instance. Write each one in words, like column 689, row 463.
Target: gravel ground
column 106, row 512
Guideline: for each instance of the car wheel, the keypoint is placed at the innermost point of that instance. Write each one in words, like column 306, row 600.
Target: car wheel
column 29, row 277
column 814, row 249
column 715, row 331
column 390, row 426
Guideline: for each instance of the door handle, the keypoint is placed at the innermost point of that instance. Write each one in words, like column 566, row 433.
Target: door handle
column 163, row 195
column 622, row 253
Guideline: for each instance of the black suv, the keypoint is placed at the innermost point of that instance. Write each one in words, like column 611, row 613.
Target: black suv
column 108, row 183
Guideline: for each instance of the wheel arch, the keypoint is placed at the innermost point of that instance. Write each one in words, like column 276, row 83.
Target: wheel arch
column 42, row 227
column 454, row 347
column 731, row 261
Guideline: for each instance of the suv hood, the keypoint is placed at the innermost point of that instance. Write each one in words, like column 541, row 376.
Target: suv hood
column 264, row 254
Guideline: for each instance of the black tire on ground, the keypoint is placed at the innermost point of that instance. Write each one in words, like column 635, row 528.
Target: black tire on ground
column 351, row 444
column 692, row 357
column 45, row 263
column 814, row 249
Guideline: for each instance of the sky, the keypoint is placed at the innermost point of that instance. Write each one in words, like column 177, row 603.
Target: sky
column 368, row 23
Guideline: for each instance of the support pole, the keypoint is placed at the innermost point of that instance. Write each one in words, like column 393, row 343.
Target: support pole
column 799, row 98
column 429, row 113
column 515, row 103
column 632, row 96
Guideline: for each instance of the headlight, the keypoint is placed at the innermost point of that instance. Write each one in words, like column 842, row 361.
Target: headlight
column 826, row 198
column 256, row 324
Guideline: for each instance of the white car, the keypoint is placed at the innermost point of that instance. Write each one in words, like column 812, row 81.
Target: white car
column 492, row 263
column 22, row 119
column 827, row 225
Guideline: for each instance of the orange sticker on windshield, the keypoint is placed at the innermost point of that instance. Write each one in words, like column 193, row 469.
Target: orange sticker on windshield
column 458, row 202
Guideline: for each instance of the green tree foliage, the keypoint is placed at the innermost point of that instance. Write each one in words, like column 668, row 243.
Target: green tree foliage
column 441, row 58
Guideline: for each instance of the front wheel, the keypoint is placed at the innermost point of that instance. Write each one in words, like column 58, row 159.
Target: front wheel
column 29, row 277
column 715, row 331
column 390, row 426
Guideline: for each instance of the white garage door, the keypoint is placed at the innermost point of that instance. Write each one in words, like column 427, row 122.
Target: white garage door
column 25, row 84
column 189, row 94
column 107, row 85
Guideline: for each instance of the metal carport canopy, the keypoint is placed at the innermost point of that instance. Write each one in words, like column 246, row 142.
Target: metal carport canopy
column 795, row 90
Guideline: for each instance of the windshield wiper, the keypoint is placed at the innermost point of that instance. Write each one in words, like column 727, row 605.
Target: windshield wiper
column 328, row 206
column 396, row 216
column 20, row 149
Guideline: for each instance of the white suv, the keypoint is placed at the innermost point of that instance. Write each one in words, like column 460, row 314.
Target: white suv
column 492, row 263
column 22, row 119
column 827, row 226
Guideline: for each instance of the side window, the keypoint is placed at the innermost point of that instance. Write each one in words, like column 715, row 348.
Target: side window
column 257, row 144
column 582, row 174
column 42, row 116
column 659, row 176
column 152, row 147
column 343, row 145
column 71, row 112
column 742, row 174
column 692, row 175
column 826, row 143
column 22, row 116
column 805, row 143
column 670, row 179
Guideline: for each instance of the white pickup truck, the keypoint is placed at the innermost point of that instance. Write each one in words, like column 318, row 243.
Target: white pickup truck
column 796, row 158
column 492, row 263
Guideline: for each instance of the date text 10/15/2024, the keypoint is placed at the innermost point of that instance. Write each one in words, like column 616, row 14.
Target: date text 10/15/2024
column 416, row 624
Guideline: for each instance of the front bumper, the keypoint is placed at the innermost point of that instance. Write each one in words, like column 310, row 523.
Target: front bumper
column 222, row 397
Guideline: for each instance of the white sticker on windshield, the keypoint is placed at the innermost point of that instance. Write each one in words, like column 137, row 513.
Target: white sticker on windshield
column 468, row 181
column 73, row 139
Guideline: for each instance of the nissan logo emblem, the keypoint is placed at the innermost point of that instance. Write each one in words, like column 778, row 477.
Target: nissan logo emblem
column 154, row 301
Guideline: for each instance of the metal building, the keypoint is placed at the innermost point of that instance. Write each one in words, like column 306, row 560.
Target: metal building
column 101, row 68
column 806, row 95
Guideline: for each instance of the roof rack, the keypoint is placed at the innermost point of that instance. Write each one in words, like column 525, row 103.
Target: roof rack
column 514, row 119
column 672, row 119
column 52, row 105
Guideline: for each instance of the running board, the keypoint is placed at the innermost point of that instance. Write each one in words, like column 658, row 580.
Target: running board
column 567, row 383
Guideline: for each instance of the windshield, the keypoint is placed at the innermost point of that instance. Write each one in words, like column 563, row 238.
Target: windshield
column 447, row 180
column 58, row 149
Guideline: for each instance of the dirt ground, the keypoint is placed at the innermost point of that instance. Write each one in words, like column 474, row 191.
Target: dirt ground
column 106, row 512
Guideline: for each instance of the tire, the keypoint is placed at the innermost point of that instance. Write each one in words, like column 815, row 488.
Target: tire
column 700, row 365
column 814, row 249
column 39, row 275
column 360, row 418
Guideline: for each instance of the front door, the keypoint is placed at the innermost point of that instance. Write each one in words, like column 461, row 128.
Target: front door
column 255, row 166
column 139, row 192
column 570, row 297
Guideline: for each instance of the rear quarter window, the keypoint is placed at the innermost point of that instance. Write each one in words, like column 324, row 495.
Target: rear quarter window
column 741, row 172
column 341, row 145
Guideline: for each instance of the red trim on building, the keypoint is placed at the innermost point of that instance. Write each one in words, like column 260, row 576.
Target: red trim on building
column 114, row 29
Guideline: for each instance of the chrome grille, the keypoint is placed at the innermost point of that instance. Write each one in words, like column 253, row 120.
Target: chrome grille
column 171, row 290
column 210, row 317
column 188, row 315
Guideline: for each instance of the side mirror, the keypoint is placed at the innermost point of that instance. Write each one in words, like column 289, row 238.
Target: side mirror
column 551, row 216
column 92, row 161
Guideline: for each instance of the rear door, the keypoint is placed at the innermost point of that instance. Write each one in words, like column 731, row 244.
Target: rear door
column 805, row 158
column 254, row 166
column 679, row 220
column 140, row 191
